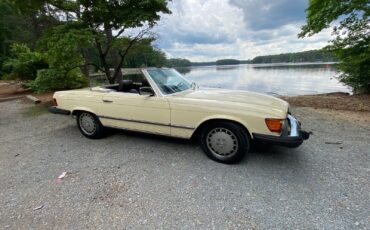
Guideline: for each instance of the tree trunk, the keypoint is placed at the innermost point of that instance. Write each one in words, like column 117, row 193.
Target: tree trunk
column 85, row 68
column 116, row 58
column 103, row 61
column 118, row 76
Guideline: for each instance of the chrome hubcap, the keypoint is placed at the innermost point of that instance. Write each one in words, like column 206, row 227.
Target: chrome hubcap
column 87, row 123
column 222, row 142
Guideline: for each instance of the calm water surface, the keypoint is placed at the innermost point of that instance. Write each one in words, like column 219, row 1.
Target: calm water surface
column 277, row 79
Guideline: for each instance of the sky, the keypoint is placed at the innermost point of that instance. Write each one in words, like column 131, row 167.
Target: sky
column 207, row 30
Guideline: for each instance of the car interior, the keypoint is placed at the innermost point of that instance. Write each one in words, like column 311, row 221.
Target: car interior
column 128, row 85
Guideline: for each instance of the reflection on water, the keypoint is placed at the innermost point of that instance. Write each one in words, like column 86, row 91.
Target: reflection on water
column 184, row 71
column 273, row 79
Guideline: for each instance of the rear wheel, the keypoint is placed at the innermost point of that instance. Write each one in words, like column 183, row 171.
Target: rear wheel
column 89, row 125
column 225, row 142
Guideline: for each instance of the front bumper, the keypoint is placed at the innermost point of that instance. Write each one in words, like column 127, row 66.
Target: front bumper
column 292, row 135
column 55, row 110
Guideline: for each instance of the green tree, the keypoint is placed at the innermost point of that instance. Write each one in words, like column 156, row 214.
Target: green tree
column 63, row 47
column 351, row 19
column 108, row 20
column 10, row 28
column 21, row 23
column 143, row 53
column 23, row 63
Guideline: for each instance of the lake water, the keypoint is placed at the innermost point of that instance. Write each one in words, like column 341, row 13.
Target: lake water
column 276, row 79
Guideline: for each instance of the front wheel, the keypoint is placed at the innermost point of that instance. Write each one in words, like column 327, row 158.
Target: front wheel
column 89, row 125
column 225, row 142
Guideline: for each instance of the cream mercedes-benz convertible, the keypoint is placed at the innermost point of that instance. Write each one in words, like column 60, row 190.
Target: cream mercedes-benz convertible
column 161, row 101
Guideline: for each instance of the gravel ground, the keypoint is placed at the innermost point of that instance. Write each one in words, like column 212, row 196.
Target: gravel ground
column 131, row 180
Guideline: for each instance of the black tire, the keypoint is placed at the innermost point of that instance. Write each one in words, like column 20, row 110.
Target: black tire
column 225, row 142
column 90, row 125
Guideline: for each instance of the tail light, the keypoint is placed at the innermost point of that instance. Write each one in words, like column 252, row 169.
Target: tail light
column 55, row 102
column 274, row 125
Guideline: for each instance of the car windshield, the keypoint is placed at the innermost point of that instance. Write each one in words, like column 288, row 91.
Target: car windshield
column 169, row 80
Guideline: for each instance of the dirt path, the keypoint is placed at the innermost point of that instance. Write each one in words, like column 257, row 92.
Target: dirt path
column 130, row 180
column 10, row 90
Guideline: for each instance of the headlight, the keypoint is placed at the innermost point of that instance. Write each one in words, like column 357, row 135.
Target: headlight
column 274, row 125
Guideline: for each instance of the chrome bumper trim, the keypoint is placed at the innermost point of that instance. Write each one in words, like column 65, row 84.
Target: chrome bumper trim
column 292, row 135
column 147, row 122
column 294, row 126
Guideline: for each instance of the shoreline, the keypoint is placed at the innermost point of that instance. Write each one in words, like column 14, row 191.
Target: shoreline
column 261, row 65
column 333, row 101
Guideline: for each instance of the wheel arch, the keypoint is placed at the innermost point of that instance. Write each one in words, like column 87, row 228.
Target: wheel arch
column 77, row 110
column 211, row 120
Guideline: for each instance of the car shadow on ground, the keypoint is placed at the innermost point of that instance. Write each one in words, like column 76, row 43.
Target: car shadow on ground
column 258, row 154
column 276, row 156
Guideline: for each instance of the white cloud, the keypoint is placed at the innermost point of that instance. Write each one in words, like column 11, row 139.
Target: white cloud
column 281, row 40
column 207, row 30
column 205, row 21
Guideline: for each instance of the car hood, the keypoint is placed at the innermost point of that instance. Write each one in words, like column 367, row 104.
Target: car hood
column 232, row 98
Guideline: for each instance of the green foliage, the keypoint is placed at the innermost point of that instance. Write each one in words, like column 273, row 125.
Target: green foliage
column 144, row 54
column 82, row 31
column 118, row 14
column 23, row 63
column 7, row 28
column 320, row 14
column 21, row 23
column 63, row 45
column 352, row 41
column 76, row 27
column 53, row 79
column 306, row 56
column 356, row 68
column 102, row 17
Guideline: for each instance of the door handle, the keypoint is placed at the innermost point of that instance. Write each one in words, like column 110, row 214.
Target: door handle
column 107, row 101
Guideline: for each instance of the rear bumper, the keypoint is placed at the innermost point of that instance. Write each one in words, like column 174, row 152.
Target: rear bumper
column 55, row 110
column 292, row 135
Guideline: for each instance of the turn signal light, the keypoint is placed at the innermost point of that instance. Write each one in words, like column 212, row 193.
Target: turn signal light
column 55, row 102
column 274, row 125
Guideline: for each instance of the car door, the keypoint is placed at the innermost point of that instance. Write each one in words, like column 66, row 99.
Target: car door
column 136, row 112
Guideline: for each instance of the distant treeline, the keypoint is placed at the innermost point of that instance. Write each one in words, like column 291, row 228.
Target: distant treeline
column 149, row 56
column 305, row 56
column 220, row 62
column 178, row 62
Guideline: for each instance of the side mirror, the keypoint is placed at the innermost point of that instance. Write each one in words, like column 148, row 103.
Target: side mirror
column 146, row 91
